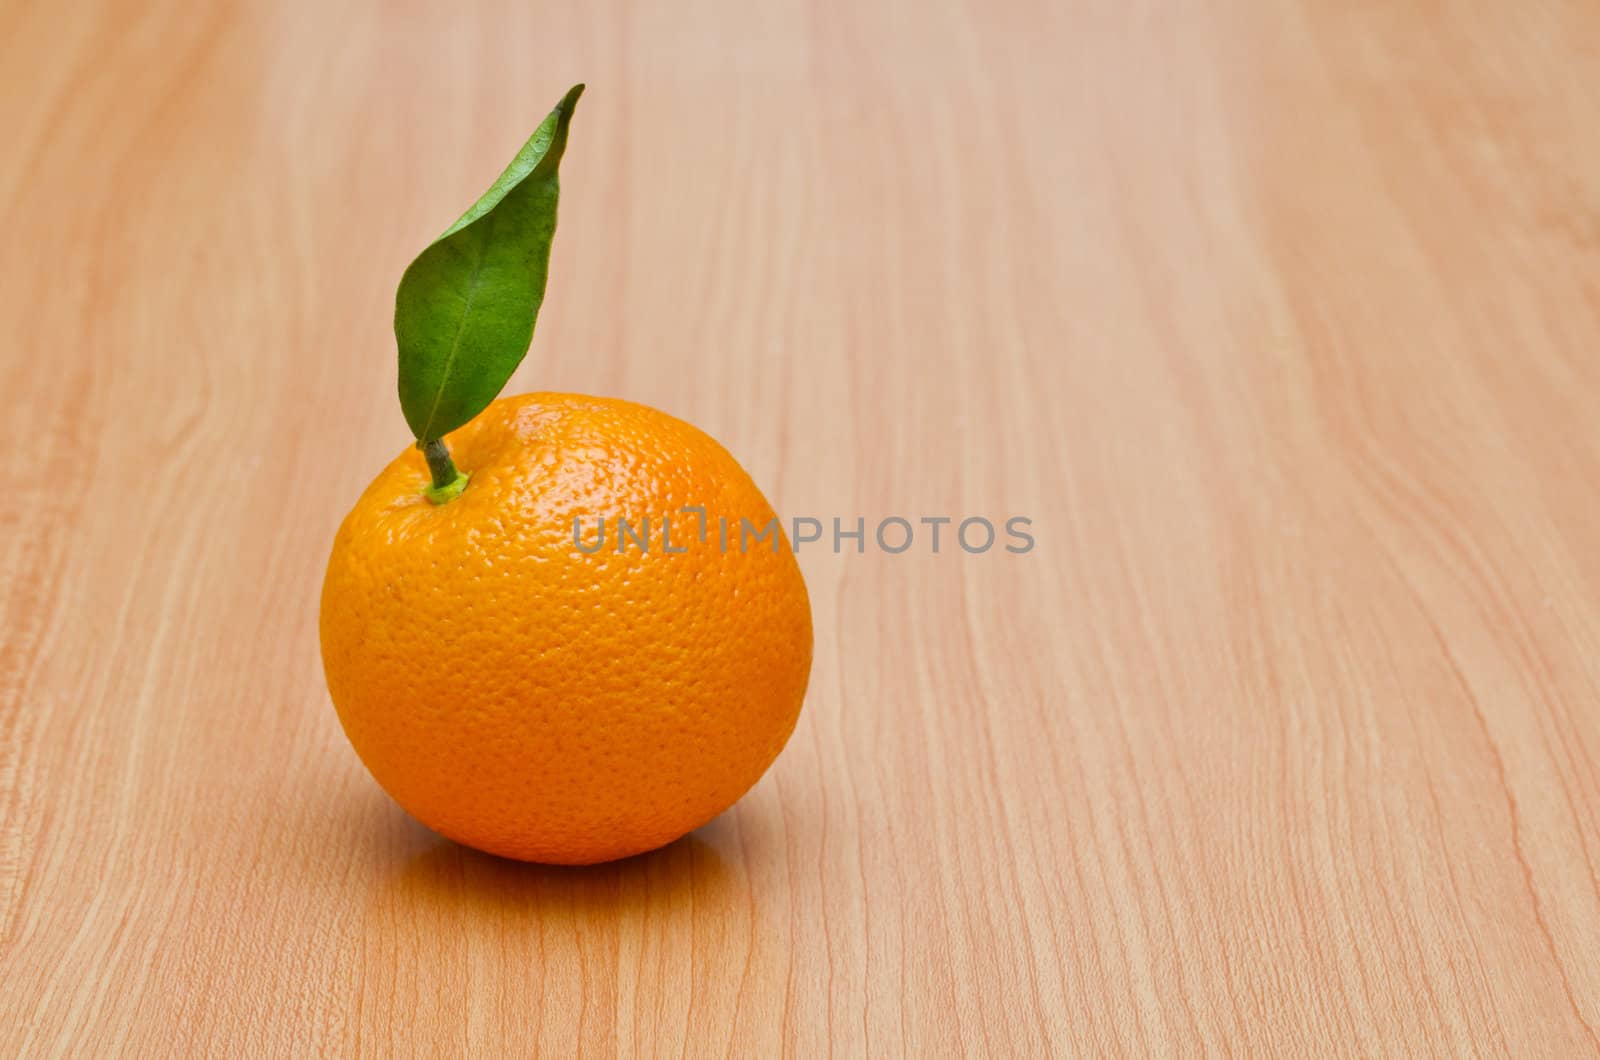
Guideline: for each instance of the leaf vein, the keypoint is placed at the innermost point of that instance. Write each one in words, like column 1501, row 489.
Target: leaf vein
column 461, row 323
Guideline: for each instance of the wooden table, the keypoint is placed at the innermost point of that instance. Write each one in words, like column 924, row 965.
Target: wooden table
column 1281, row 321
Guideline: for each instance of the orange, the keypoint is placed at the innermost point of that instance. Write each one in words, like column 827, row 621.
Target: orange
column 532, row 699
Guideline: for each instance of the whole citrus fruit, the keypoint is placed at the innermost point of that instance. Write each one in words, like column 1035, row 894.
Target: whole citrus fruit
column 523, row 691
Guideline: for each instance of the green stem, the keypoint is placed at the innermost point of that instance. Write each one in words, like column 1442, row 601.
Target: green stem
column 439, row 462
column 447, row 481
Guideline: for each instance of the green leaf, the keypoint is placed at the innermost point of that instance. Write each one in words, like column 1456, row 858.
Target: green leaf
column 464, row 313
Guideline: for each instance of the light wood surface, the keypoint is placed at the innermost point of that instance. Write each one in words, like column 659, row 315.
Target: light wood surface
column 1281, row 320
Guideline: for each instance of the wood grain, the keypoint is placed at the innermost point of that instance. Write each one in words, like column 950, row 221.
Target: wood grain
column 1280, row 320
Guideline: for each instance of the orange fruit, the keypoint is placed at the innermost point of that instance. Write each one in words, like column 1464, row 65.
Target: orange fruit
column 538, row 701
